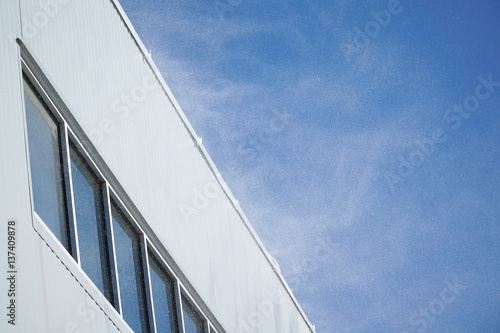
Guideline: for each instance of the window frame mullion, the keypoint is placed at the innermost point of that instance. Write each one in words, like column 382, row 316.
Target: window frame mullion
column 206, row 327
column 113, row 269
column 178, row 306
column 147, row 283
column 68, row 191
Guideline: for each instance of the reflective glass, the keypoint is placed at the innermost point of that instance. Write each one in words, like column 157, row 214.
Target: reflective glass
column 45, row 163
column 128, row 262
column 192, row 322
column 90, row 223
column 163, row 303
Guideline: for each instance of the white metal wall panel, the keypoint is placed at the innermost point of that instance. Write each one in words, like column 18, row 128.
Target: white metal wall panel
column 14, row 195
column 48, row 298
column 95, row 64
column 67, row 306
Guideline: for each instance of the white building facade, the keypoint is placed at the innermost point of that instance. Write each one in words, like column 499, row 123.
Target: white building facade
column 113, row 217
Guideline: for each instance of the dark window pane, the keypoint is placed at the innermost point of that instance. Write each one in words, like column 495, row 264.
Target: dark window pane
column 45, row 162
column 90, row 223
column 129, row 263
column 163, row 300
column 192, row 321
column 189, row 324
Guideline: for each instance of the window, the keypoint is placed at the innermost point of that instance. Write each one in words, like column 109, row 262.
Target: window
column 193, row 322
column 90, row 222
column 71, row 196
column 130, row 275
column 46, row 166
column 163, row 299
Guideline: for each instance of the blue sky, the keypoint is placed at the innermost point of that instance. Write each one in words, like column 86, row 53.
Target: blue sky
column 365, row 153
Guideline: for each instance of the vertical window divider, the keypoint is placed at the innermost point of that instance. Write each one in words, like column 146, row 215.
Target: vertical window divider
column 147, row 283
column 178, row 305
column 68, row 187
column 206, row 327
column 111, row 247
column 149, row 287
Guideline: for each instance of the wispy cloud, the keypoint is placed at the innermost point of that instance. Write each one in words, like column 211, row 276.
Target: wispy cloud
column 323, row 173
